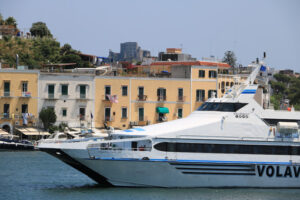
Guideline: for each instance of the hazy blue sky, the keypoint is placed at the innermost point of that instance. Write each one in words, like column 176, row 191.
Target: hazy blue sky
column 202, row 28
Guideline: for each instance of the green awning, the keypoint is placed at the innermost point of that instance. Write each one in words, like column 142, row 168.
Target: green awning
column 162, row 110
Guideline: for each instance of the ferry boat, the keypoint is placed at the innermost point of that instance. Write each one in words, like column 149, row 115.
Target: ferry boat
column 227, row 142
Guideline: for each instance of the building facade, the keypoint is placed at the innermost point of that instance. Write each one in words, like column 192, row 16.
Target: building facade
column 18, row 98
column 121, row 101
column 124, row 102
column 70, row 95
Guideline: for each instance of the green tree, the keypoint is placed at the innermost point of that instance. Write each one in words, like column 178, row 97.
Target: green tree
column 229, row 58
column 282, row 78
column 11, row 21
column 48, row 117
column 278, row 87
column 66, row 49
column 71, row 58
column 40, row 29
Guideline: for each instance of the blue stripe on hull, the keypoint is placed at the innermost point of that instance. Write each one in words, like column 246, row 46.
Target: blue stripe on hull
column 194, row 161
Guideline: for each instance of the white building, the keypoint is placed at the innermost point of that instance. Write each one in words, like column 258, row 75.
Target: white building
column 70, row 95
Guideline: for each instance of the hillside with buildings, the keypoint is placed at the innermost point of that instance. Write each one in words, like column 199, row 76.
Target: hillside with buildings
column 124, row 90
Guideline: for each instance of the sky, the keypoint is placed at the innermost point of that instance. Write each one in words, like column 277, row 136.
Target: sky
column 200, row 28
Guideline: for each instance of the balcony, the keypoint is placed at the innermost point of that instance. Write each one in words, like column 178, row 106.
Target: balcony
column 110, row 98
column 5, row 116
column 143, row 122
column 200, row 100
column 161, row 98
column 26, row 94
column 6, row 94
column 109, row 119
column 51, row 97
column 142, row 97
column 83, row 97
column 181, row 99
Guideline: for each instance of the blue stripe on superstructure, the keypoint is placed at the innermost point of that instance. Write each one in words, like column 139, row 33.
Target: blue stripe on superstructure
column 249, row 91
column 128, row 130
column 194, row 161
column 139, row 129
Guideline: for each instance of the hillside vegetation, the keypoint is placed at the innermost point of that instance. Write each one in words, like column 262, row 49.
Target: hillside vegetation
column 41, row 48
column 285, row 87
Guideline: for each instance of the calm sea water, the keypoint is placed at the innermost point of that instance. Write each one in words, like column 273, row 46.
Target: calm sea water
column 36, row 175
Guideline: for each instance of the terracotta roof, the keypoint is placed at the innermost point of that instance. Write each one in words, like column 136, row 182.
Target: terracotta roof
column 189, row 63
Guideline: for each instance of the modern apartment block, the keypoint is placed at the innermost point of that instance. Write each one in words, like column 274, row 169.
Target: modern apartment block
column 129, row 51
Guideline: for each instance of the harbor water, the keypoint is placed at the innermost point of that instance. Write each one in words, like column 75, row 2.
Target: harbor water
column 36, row 175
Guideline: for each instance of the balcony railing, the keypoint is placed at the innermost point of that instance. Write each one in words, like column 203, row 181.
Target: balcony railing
column 108, row 119
column 26, row 94
column 5, row 116
column 200, row 99
column 7, row 94
column 50, row 96
column 81, row 117
column 181, row 98
column 161, row 98
column 142, row 97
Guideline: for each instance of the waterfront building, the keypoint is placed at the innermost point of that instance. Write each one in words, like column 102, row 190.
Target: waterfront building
column 161, row 91
column 18, row 98
column 123, row 102
column 71, row 95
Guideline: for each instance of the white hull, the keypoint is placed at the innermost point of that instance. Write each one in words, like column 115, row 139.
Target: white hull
column 194, row 174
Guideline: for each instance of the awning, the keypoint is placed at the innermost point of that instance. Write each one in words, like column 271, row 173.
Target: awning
column 2, row 132
column 32, row 131
column 162, row 110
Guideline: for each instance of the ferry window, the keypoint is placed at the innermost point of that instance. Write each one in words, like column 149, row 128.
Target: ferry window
column 201, row 74
column 228, row 107
column 227, row 148
column 219, row 106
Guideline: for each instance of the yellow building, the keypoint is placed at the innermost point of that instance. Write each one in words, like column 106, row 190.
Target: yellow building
column 18, row 98
column 166, row 91
column 123, row 102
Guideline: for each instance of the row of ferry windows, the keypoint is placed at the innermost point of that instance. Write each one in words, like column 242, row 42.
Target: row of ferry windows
column 227, row 148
